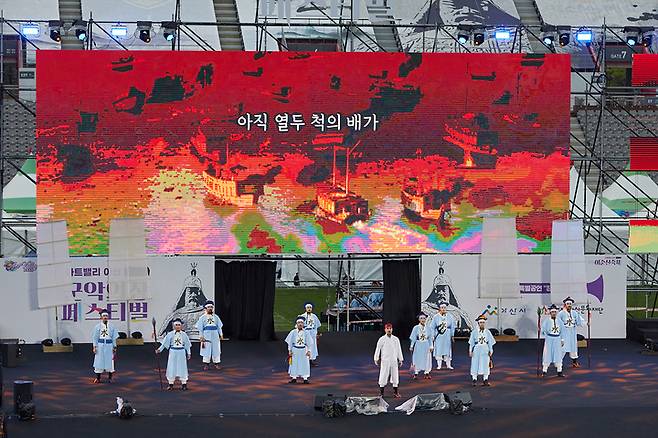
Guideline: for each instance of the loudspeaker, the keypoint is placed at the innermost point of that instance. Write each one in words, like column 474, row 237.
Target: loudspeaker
column 321, row 398
column 22, row 393
column 10, row 355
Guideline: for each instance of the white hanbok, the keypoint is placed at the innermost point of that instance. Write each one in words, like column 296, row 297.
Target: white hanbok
column 210, row 327
column 421, row 341
column 312, row 324
column 553, row 331
column 480, row 345
column 180, row 348
column 571, row 320
column 299, row 342
column 104, row 338
column 389, row 353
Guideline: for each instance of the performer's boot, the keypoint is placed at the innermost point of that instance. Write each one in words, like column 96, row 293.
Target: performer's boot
column 560, row 374
column 428, row 376
column 381, row 391
column 170, row 387
column 475, row 382
column 574, row 363
column 217, row 366
column 184, row 387
column 306, row 381
column 205, row 367
column 292, row 380
column 396, row 392
column 486, row 382
column 98, row 378
column 109, row 377
column 415, row 376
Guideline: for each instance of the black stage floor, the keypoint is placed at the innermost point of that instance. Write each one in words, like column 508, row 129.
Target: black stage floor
column 619, row 394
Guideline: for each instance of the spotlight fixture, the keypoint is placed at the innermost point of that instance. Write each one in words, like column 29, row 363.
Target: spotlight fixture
column 79, row 28
column 463, row 34
column 169, row 30
column 55, row 30
column 564, row 36
column 584, row 35
column 30, row 30
column 144, row 29
column 502, row 34
column 632, row 35
column 646, row 36
column 119, row 31
column 478, row 37
column 548, row 33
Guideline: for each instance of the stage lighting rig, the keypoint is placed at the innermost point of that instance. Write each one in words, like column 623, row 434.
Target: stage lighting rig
column 584, row 35
column 548, row 34
column 479, row 36
column 169, row 30
column 463, row 34
column 119, row 31
column 79, row 28
column 144, row 29
column 55, row 30
column 564, row 36
column 502, row 34
column 646, row 36
column 30, row 30
column 632, row 35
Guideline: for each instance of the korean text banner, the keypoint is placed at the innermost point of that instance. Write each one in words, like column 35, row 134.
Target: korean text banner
column 243, row 152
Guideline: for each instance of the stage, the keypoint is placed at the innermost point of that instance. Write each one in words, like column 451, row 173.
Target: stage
column 250, row 394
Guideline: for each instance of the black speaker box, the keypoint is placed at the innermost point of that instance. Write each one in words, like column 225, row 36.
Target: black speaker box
column 9, row 354
column 321, row 398
column 464, row 397
column 22, row 393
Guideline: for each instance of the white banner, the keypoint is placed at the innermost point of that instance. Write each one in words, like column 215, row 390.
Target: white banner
column 179, row 284
column 454, row 278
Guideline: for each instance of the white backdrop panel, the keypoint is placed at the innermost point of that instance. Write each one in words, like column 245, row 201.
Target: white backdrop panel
column 459, row 283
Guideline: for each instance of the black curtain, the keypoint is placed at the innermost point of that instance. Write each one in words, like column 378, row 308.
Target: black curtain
column 244, row 298
column 401, row 295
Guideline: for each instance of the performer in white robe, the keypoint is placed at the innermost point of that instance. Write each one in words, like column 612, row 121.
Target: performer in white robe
column 480, row 350
column 552, row 329
column 311, row 324
column 388, row 355
column 210, row 334
column 180, row 351
column 571, row 319
column 299, row 352
column 421, row 347
column 443, row 327
column 104, row 346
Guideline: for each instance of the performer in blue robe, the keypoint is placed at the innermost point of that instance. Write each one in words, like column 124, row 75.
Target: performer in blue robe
column 180, row 351
column 421, row 347
column 210, row 334
column 480, row 350
column 299, row 352
column 311, row 324
column 571, row 319
column 104, row 345
column 443, row 327
column 552, row 329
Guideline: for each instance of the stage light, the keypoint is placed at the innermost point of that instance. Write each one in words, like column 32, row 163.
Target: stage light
column 144, row 29
column 30, row 30
column 548, row 34
column 584, row 36
column 646, row 36
column 478, row 37
column 79, row 28
column 632, row 35
column 169, row 30
column 119, row 31
column 565, row 36
column 55, row 30
column 502, row 34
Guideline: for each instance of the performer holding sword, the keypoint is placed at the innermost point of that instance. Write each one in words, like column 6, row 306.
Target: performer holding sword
column 210, row 334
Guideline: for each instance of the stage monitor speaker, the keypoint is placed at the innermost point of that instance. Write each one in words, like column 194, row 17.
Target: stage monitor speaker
column 22, row 393
column 464, row 397
column 321, row 398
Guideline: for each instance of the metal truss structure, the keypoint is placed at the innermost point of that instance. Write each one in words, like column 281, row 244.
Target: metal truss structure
column 595, row 167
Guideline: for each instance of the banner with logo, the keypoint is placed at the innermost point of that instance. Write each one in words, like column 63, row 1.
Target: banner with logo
column 455, row 279
column 179, row 286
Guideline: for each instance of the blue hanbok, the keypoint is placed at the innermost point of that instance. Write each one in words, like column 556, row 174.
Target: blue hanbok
column 180, row 348
column 210, row 327
column 299, row 342
column 443, row 327
column 480, row 345
column 421, row 341
column 553, row 331
column 311, row 325
column 571, row 320
column 104, row 339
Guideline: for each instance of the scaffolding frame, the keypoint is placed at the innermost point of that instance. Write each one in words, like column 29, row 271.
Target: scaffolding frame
column 589, row 160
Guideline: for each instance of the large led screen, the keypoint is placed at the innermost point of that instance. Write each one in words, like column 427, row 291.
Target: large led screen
column 243, row 152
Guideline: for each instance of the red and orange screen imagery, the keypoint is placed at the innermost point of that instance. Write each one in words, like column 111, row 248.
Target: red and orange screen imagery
column 244, row 152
